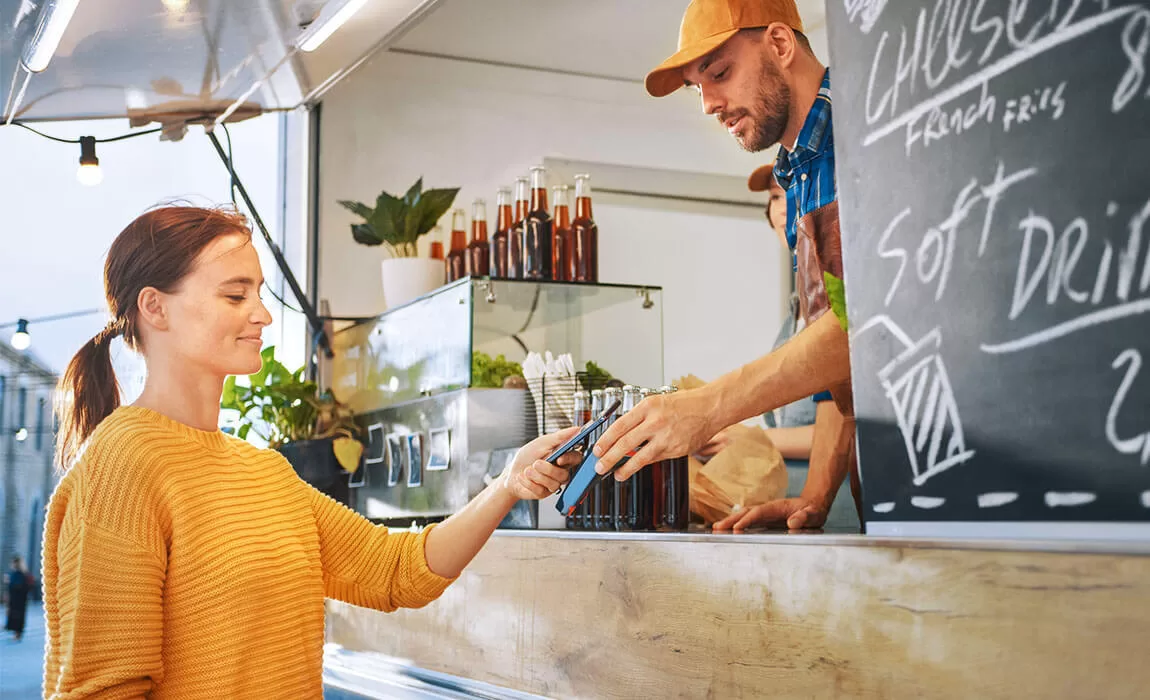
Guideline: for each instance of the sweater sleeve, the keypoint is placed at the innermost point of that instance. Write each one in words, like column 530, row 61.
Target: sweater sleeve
column 108, row 606
column 365, row 565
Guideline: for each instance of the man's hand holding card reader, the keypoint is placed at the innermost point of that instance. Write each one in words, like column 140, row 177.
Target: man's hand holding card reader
column 585, row 475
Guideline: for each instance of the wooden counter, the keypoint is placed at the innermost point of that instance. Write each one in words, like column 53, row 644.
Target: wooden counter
column 576, row 615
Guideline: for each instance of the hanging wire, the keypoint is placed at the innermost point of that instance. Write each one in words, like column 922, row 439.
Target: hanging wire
column 129, row 135
column 232, row 190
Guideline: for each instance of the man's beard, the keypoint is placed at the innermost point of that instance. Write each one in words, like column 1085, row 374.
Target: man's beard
column 769, row 121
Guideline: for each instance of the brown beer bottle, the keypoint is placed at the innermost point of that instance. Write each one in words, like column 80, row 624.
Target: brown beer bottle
column 500, row 242
column 479, row 251
column 584, row 234
column 605, row 486
column 634, row 498
column 537, row 230
column 436, row 243
column 457, row 256
column 515, row 240
column 561, row 247
column 676, row 492
column 588, row 507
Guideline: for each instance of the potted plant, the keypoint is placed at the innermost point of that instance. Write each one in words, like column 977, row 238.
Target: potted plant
column 398, row 223
column 315, row 432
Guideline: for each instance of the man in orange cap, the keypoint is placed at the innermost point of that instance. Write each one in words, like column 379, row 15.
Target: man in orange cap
column 754, row 70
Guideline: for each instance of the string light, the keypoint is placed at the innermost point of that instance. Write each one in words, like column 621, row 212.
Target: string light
column 89, row 173
column 21, row 339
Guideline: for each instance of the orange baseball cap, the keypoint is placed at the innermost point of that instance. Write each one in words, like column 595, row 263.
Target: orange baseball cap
column 763, row 179
column 707, row 24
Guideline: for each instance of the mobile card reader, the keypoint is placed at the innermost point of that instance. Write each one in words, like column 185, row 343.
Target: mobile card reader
column 585, row 475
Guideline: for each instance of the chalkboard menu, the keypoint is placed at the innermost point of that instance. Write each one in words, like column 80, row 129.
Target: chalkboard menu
column 993, row 164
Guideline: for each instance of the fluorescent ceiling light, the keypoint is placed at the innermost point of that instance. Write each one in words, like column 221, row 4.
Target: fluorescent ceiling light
column 42, row 45
column 333, row 16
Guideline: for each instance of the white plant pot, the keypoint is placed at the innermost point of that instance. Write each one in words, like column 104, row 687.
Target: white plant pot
column 405, row 279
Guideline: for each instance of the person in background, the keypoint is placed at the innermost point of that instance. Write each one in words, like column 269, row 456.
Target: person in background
column 755, row 71
column 791, row 428
column 183, row 562
column 19, row 583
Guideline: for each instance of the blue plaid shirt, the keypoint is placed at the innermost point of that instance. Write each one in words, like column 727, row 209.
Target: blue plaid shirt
column 808, row 172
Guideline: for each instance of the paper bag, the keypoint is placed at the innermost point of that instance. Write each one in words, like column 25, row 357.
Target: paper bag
column 748, row 472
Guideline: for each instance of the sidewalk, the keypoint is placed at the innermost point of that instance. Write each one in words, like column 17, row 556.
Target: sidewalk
column 22, row 663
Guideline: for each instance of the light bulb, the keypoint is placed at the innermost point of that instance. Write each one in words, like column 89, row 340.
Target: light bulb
column 21, row 435
column 89, row 175
column 175, row 5
column 21, row 339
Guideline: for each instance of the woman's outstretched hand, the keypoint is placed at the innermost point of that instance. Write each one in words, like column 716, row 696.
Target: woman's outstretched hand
column 529, row 477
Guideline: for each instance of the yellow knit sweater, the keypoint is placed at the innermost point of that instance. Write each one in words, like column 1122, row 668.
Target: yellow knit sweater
column 180, row 563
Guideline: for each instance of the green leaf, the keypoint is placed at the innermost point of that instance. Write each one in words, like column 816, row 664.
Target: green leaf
column 365, row 234
column 267, row 355
column 388, row 218
column 358, row 208
column 430, row 209
column 229, row 398
column 837, row 296
column 242, row 433
column 413, row 194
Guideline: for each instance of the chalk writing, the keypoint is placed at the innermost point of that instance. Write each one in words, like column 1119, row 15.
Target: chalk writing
column 996, row 499
column 917, row 385
column 1048, row 100
column 1057, row 263
column 1055, row 499
column 1139, row 444
column 1136, row 46
column 935, row 254
column 889, row 82
column 927, row 502
column 866, row 12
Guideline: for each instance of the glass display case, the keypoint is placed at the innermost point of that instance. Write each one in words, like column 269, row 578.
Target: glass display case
column 434, row 436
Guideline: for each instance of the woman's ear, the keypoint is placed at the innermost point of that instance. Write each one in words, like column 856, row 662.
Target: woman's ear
column 152, row 307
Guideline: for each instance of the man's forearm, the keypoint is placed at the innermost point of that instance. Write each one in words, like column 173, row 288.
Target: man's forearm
column 828, row 464
column 812, row 361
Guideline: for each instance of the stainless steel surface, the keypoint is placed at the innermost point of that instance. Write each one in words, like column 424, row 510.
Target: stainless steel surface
column 119, row 58
column 469, row 425
column 354, row 675
column 847, row 540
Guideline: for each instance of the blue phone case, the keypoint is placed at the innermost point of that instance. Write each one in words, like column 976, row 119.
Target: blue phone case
column 578, row 486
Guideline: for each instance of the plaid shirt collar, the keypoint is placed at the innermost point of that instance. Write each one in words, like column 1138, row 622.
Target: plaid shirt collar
column 812, row 138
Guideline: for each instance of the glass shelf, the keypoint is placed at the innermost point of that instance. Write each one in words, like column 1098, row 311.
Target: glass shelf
column 424, row 347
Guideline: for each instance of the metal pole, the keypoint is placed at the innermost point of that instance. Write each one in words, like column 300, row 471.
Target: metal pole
column 304, row 304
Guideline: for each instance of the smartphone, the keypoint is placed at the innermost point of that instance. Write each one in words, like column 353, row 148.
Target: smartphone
column 584, row 433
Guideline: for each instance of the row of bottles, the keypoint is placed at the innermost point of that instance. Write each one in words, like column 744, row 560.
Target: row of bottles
column 529, row 242
column 654, row 498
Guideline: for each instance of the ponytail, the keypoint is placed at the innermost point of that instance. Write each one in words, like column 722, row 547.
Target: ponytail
column 87, row 394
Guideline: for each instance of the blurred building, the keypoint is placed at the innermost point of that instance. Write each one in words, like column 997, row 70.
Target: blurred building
column 27, row 450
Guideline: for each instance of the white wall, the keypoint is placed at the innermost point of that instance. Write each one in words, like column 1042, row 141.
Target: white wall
column 478, row 127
